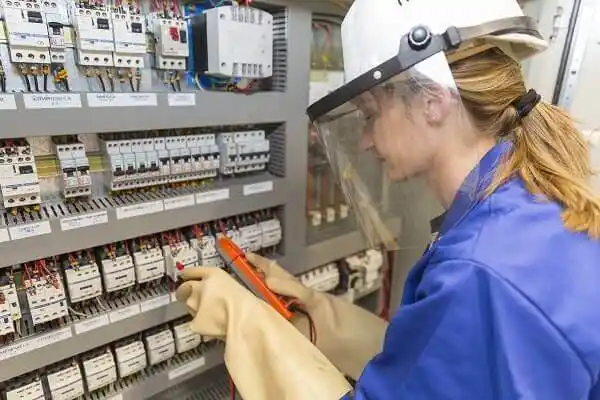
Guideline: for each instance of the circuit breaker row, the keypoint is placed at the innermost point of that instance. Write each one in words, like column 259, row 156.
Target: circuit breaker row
column 145, row 162
column 354, row 274
column 42, row 293
column 102, row 368
column 111, row 40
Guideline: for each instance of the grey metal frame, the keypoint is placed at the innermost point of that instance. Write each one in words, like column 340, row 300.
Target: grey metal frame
column 211, row 109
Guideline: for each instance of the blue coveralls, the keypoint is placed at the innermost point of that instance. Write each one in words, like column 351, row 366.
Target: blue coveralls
column 504, row 305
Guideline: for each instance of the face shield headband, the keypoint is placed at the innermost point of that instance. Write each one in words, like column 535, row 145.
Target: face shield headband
column 342, row 117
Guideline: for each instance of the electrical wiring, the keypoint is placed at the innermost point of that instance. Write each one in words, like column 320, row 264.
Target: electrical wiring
column 25, row 75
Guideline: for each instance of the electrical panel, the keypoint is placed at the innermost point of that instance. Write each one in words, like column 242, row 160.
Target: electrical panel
column 66, row 382
column 130, row 38
column 234, row 41
column 170, row 43
column 19, row 181
column 94, row 35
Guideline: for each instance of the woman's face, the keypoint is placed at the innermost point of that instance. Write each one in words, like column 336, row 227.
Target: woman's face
column 401, row 135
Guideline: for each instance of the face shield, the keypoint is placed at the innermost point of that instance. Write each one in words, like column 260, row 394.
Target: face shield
column 392, row 123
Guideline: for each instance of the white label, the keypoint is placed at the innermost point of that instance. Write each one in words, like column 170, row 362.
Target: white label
column 52, row 100
column 179, row 202
column 186, row 368
column 256, row 188
column 7, row 102
column 37, row 342
column 82, row 221
column 136, row 210
column 182, row 99
column 29, row 230
column 121, row 99
column 116, row 397
column 4, row 237
column 123, row 313
column 91, row 323
column 155, row 303
column 213, row 195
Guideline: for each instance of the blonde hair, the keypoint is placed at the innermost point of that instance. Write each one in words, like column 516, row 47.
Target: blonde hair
column 550, row 155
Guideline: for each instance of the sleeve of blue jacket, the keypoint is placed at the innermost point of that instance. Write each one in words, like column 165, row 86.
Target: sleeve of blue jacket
column 469, row 334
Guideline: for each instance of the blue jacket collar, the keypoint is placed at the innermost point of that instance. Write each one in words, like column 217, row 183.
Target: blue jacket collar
column 474, row 185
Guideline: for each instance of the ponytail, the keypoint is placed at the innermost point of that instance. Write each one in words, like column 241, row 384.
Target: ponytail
column 549, row 154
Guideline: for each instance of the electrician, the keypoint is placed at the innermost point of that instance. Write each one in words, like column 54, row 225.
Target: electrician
column 504, row 304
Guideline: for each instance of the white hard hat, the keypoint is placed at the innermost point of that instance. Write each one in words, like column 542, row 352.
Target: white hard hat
column 372, row 29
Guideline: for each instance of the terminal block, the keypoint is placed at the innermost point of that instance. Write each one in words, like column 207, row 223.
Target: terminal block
column 19, row 181
column 203, row 241
column 130, row 356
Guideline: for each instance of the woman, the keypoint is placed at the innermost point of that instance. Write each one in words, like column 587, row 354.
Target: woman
column 504, row 304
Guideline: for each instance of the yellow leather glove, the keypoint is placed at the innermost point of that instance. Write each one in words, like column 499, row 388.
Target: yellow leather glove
column 267, row 358
column 348, row 335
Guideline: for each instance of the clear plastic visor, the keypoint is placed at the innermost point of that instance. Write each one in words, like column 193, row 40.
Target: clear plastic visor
column 387, row 135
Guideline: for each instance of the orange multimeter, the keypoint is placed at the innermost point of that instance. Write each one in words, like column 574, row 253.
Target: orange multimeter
column 236, row 260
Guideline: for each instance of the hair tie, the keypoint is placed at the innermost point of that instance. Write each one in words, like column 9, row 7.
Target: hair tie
column 525, row 103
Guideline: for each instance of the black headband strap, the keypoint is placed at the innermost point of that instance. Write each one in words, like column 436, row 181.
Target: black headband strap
column 525, row 103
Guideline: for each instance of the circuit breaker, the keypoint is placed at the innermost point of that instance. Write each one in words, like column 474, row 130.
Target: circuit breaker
column 99, row 369
column 322, row 279
column 243, row 152
column 129, row 38
column 94, row 33
column 234, row 41
column 170, row 43
column 185, row 338
column 19, row 181
column 31, row 390
column 27, row 33
column 75, row 168
column 130, row 356
column 160, row 345
column 66, row 382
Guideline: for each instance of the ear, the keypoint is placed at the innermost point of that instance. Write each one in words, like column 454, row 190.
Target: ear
column 437, row 107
